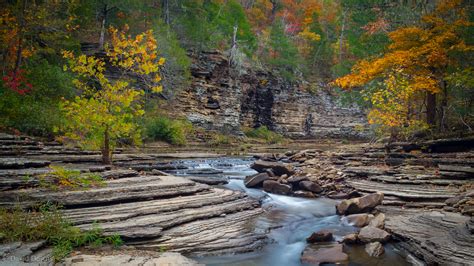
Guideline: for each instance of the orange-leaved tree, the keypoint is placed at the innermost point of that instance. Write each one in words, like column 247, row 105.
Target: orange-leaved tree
column 414, row 67
column 107, row 108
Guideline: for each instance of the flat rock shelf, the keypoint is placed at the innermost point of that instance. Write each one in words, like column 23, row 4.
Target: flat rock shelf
column 148, row 210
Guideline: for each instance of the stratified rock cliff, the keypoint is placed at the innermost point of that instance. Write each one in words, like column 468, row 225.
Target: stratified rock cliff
column 220, row 100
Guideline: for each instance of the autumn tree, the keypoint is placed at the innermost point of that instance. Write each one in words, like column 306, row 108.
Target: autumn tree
column 282, row 53
column 419, row 57
column 107, row 108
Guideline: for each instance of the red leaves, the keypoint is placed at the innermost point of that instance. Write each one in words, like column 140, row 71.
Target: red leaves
column 17, row 82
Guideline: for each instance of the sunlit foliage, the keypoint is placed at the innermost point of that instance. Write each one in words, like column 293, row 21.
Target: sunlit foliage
column 106, row 109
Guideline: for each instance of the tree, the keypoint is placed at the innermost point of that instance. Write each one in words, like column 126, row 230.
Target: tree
column 283, row 54
column 107, row 109
column 420, row 55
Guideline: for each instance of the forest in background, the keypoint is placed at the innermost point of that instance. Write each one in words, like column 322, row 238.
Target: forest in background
column 408, row 62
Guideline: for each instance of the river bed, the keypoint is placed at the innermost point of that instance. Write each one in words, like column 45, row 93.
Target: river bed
column 288, row 221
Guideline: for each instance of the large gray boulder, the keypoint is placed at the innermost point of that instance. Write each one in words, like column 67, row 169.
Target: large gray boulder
column 359, row 205
column 317, row 256
column 359, row 219
column 374, row 249
column 320, row 236
column 370, row 234
column 277, row 168
column 310, row 186
column 275, row 187
column 256, row 180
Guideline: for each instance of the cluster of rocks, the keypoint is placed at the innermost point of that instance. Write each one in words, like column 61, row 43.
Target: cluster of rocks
column 356, row 211
column 148, row 209
column 298, row 174
column 427, row 186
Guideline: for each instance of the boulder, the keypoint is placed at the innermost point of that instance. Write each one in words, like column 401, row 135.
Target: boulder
column 296, row 178
column 310, row 186
column 374, row 249
column 372, row 234
column 277, row 167
column 320, row 236
column 350, row 239
column 378, row 221
column 303, row 194
column 317, row 256
column 359, row 219
column 256, row 180
column 342, row 195
column 275, row 187
column 359, row 205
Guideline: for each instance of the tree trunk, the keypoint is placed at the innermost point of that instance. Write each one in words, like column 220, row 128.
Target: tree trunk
column 431, row 108
column 341, row 37
column 444, row 106
column 102, row 28
column 106, row 148
column 19, row 49
column 166, row 7
column 102, row 35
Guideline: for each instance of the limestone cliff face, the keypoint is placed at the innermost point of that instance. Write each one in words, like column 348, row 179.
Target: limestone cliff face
column 220, row 100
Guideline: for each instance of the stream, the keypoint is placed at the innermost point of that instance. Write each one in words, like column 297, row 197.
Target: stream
column 288, row 220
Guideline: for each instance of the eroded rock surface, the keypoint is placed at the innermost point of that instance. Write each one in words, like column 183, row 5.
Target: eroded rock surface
column 219, row 99
column 437, row 237
column 317, row 255
column 147, row 209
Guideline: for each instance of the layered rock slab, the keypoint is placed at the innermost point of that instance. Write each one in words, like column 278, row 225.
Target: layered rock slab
column 437, row 237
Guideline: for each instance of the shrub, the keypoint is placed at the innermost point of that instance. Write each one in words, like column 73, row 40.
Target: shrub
column 172, row 131
column 263, row 133
column 61, row 177
column 218, row 139
column 37, row 111
column 47, row 223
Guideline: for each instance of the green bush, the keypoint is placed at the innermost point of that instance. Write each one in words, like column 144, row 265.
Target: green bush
column 36, row 112
column 264, row 133
column 64, row 178
column 218, row 139
column 172, row 131
column 48, row 224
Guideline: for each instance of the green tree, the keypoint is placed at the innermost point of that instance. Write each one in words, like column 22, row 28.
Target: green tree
column 282, row 53
column 107, row 109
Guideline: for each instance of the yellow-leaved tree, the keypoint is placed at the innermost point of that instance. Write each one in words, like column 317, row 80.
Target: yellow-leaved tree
column 107, row 108
column 413, row 71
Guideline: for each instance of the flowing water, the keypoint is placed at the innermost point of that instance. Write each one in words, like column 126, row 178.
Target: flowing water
column 288, row 220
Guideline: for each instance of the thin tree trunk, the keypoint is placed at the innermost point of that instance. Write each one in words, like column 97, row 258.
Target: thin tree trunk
column 233, row 48
column 166, row 7
column 102, row 35
column 431, row 109
column 102, row 28
column 19, row 49
column 444, row 105
column 341, row 37
column 106, row 148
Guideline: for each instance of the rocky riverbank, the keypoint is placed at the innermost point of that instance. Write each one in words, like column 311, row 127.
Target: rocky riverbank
column 146, row 207
column 425, row 191
column 417, row 197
